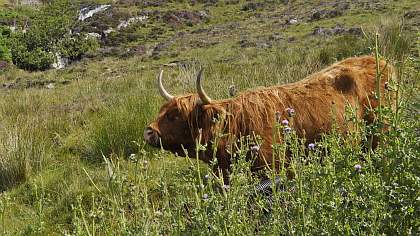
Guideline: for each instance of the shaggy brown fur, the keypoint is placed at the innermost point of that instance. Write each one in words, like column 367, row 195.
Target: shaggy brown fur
column 319, row 101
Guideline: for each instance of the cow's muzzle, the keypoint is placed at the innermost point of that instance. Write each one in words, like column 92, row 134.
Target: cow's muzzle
column 151, row 136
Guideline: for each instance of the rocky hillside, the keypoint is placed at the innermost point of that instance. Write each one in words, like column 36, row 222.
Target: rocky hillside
column 174, row 29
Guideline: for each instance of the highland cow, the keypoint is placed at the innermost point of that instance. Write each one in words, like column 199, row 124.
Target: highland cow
column 311, row 107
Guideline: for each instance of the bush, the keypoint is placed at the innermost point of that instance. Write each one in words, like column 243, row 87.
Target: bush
column 35, row 59
column 48, row 36
column 76, row 46
column 5, row 54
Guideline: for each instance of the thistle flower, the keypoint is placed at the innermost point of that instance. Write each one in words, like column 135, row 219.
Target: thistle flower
column 206, row 177
column 285, row 122
column 357, row 168
column 290, row 112
column 287, row 130
column 255, row 149
column 311, row 146
column 133, row 157
column 232, row 90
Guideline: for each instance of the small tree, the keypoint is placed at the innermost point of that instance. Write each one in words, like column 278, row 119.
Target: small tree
column 49, row 34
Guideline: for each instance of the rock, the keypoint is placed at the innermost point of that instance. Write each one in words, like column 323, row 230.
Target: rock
column 111, row 51
column 3, row 65
column 107, row 32
column 231, row 2
column 132, row 20
column 157, row 50
column 292, row 21
column 275, row 37
column 104, row 22
column 319, row 31
column 30, row 2
column 88, row 12
column 412, row 14
column 252, row 6
column 206, row 2
column 336, row 30
column 355, row 31
column 93, row 35
column 263, row 45
column 50, row 86
column 201, row 30
column 342, row 6
column 178, row 18
column 60, row 62
column 171, row 64
column 9, row 85
column 155, row 3
column 325, row 14
column 139, row 50
column 244, row 43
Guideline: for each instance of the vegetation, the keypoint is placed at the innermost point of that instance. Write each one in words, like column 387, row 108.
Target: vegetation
column 48, row 36
column 72, row 158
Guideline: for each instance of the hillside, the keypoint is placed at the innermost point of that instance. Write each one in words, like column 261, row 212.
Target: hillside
column 72, row 155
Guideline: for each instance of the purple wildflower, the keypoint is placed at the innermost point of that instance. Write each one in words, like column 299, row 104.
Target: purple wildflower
column 357, row 168
column 206, row 177
column 255, row 149
column 133, row 157
column 285, row 122
column 287, row 130
column 290, row 112
column 311, row 146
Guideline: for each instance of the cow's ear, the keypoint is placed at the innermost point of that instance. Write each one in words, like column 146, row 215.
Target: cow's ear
column 214, row 114
column 213, row 120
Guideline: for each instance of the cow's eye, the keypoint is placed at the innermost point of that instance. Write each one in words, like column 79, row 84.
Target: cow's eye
column 173, row 117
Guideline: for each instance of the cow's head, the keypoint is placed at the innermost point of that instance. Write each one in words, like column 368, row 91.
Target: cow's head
column 180, row 119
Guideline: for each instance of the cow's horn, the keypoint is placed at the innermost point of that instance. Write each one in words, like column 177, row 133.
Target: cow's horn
column 205, row 99
column 162, row 90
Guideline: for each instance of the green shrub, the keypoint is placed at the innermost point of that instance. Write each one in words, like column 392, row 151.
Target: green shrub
column 48, row 36
column 75, row 47
column 5, row 53
column 35, row 59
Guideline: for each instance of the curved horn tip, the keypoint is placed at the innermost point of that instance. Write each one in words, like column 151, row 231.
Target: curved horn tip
column 167, row 96
column 205, row 99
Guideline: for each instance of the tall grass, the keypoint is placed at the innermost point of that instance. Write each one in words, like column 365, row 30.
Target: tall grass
column 21, row 153
column 117, row 129
column 337, row 189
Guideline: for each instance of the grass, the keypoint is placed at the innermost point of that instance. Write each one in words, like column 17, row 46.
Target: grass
column 66, row 162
